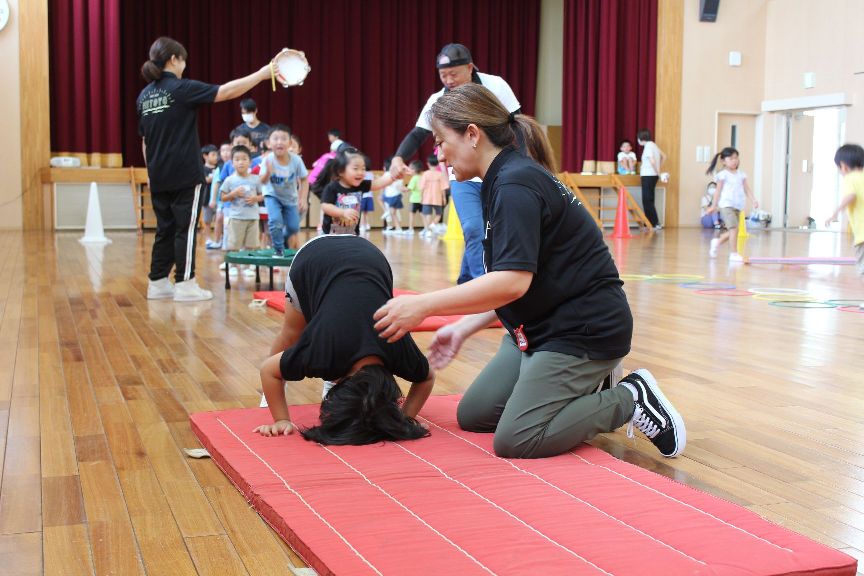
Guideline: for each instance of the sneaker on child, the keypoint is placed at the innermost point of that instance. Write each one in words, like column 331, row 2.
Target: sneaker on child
column 249, row 273
column 735, row 257
column 189, row 291
column 712, row 251
column 160, row 289
column 654, row 415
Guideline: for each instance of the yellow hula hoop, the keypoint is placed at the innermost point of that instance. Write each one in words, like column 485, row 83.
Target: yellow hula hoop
column 677, row 277
column 786, row 297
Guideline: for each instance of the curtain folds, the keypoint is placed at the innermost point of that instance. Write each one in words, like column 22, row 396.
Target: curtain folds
column 610, row 61
column 372, row 63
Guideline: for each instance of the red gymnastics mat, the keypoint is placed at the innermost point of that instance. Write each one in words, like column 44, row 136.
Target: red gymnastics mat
column 276, row 300
column 445, row 505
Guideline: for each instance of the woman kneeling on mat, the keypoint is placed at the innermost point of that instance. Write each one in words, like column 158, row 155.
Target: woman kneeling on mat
column 554, row 286
column 334, row 286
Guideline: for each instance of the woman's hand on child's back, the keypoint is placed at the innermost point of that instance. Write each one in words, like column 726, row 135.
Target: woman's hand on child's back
column 278, row 428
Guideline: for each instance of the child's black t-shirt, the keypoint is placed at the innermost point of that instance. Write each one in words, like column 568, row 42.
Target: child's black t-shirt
column 339, row 282
column 342, row 197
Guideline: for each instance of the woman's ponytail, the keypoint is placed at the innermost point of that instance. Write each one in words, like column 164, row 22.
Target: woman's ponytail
column 161, row 52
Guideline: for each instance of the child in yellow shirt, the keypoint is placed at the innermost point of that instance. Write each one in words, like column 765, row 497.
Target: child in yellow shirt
column 850, row 161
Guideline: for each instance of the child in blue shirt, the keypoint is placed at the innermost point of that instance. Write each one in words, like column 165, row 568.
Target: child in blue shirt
column 286, row 188
column 240, row 196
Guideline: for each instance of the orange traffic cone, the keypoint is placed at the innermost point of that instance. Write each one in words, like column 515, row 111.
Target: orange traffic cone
column 622, row 225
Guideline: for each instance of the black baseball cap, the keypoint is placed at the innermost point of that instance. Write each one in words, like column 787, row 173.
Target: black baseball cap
column 453, row 55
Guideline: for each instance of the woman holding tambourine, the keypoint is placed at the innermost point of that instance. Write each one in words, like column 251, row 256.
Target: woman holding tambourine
column 167, row 123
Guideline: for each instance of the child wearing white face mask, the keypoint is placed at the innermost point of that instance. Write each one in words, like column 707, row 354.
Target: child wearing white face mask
column 249, row 113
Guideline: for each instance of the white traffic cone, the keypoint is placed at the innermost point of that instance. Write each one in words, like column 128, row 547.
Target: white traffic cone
column 94, row 233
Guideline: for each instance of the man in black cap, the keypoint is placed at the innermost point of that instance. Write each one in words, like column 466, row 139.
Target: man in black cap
column 455, row 68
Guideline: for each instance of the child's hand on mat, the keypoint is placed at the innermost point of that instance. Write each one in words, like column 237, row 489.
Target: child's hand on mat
column 444, row 346
column 278, row 428
column 398, row 316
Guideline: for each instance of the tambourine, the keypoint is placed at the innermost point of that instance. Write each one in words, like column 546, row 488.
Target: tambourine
column 290, row 67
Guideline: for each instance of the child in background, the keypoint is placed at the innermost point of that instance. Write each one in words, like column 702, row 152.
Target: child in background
column 241, row 193
column 209, row 156
column 415, row 194
column 367, row 202
column 391, row 199
column 224, row 154
column 285, row 190
column 626, row 158
column 340, row 186
column 730, row 198
column 295, row 147
column 239, row 137
column 433, row 182
column 850, row 162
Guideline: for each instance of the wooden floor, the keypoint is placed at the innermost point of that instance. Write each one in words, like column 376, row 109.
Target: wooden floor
column 96, row 385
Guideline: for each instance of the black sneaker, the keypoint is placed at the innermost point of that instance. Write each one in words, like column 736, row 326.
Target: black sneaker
column 278, row 253
column 655, row 416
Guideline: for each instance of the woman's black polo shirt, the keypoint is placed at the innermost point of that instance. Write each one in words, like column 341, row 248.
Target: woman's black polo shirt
column 168, row 122
column 575, row 304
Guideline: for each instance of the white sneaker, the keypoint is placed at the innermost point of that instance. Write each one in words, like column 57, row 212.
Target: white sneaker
column 160, row 289
column 658, row 227
column 735, row 257
column 233, row 271
column 712, row 252
column 189, row 291
column 249, row 273
column 408, row 231
column 222, row 266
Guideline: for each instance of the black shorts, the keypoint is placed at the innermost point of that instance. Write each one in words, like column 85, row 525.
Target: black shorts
column 416, row 208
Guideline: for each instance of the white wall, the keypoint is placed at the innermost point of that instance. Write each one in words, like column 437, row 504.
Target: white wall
column 10, row 124
column 550, row 67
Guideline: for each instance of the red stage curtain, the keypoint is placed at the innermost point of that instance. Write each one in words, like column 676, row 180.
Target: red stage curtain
column 372, row 62
column 86, row 109
column 610, row 61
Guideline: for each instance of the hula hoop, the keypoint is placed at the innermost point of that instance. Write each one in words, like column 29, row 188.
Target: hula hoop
column 707, row 286
column 786, row 298
column 845, row 302
column 634, row 276
column 722, row 292
column 852, row 309
column 801, row 304
column 676, row 277
column 777, row 291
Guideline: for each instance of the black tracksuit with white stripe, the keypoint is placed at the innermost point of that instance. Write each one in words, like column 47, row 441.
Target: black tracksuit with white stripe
column 168, row 123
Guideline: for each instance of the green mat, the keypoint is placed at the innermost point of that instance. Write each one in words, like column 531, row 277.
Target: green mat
column 257, row 258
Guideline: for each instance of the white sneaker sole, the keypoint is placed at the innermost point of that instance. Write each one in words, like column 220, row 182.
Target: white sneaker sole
column 677, row 420
column 193, row 297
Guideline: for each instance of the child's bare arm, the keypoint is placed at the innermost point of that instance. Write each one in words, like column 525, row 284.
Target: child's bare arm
column 382, row 182
column 418, row 394
column 274, row 391
column 844, row 203
column 750, row 195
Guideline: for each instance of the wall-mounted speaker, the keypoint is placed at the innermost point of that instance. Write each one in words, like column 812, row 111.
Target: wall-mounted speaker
column 708, row 10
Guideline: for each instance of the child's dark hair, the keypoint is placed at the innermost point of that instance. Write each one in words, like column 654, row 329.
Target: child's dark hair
column 333, row 168
column 240, row 131
column 724, row 153
column 644, row 135
column 209, row 148
column 852, row 155
column 228, row 142
column 367, row 161
column 161, row 52
column 241, row 150
column 335, row 132
column 279, row 128
column 248, row 105
column 432, row 160
column 625, row 141
column 417, row 166
column 258, row 139
column 364, row 409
